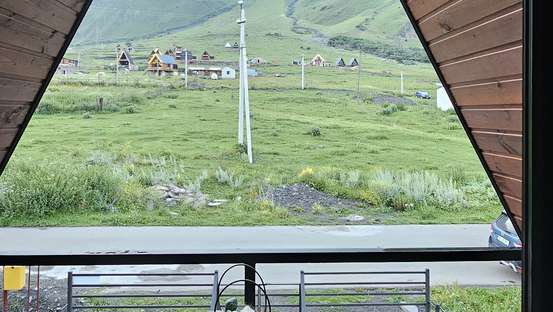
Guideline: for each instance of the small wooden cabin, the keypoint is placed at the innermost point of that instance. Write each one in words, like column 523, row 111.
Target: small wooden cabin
column 340, row 62
column 207, row 57
column 125, row 60
column 318, row 60
column 353, row 62
column 162, row 65
column 67, row 67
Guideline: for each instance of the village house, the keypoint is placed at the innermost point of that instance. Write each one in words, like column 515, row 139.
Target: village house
column 207, row 57
column 228, row 45
column 125, row 60
column 318, row 60
column 181, row 55
column 236, row 45
column 67, row 66
column 213, row 72
column 162, row 65
column 353, row 62
column 340, row 62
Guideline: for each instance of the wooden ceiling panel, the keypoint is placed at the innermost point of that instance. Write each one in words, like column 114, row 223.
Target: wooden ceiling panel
column 498, row 92
column 47, row 12
column 456, row 15
column 476, row 48
column 34, row 35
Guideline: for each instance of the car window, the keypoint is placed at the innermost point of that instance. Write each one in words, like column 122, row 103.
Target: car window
column 505, row 223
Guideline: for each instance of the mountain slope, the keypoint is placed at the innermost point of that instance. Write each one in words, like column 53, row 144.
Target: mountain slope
column 121, row 20
column 374, row 20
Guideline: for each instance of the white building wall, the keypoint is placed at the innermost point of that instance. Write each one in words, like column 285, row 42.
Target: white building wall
column 444, row 103
column 228, row 73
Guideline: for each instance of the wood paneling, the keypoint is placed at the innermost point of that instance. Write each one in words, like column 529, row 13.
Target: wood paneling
column 500, row 31
column 6, row 137
column 459, row 14
column 20, row 34
column 47, row 12
column 505, row 165
column 12, row 115
column 498, row 119
column 500, row 92
column 23, row 64
column 17, row 90
column 515, row 205
column 420, row 8
column 75, row 5
column 509, row 186
column 505, row 62
column 499, row 143
column 33, row 36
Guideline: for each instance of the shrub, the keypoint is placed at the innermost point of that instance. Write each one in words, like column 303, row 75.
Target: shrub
column 225, row 177
column 389, row 109
column 409, row 189
column 316, row 132
column 131, row 109
column 42, row 191
column 351, row 179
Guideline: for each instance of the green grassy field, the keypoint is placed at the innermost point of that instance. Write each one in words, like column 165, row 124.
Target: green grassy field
column 79, row 165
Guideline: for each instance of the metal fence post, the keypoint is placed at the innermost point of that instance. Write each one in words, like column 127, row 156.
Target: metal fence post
column 303, row 305
column 214, row 292
column 249, row 285
column 70, row 292
column 427, row 285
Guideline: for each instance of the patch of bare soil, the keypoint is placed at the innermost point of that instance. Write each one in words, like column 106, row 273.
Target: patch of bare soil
column 306, row 197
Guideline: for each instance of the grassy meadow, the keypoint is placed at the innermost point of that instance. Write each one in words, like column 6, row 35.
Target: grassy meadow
column 81, row 164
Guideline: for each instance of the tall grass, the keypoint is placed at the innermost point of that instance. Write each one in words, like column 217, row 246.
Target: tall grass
column 29, row 190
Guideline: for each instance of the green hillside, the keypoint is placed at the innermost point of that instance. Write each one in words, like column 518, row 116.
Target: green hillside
column 109, row 20
column 382, row 20
column 125, row 20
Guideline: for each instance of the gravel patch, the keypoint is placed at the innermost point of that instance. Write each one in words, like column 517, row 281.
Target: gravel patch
column 304, row 196
column 390, row 99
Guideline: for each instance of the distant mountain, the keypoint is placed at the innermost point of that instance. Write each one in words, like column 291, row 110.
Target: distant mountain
column 376, row 20
column 109, row 20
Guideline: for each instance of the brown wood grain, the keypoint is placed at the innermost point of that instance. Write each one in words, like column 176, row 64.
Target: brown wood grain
column 459, row 14
column 509, row 186
column 47, row 12
column 494, row 119
column 499, row 143
column 17, row 90
column 75, row 5
column 505, row 165
column 12, row 116
column 420, row 8
column 23, row 64
column 507, row 62
column 515, row 205
column 500, row 92
column 497, row 32
column 6, row 137
column 23, row 35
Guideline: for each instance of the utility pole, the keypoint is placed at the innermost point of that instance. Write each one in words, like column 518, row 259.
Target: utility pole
column 359, row 78
column 244, row 110
column 116, row 65
column 402, row 84
column 303, row 72
column 186, row 68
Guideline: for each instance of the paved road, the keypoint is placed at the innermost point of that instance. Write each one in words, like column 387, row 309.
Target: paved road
column 187, row 239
